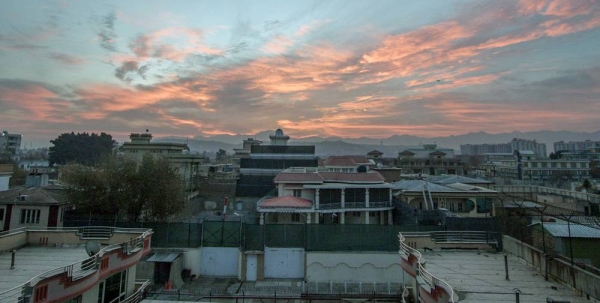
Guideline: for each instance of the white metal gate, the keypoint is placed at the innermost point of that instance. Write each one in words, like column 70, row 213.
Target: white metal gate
column 219, row 261
column 251, row 266
column 284, row 263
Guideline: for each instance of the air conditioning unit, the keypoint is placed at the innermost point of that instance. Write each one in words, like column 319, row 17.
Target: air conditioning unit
column 23, row 198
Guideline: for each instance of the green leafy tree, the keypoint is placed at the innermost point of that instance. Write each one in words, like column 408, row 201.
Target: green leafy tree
column 151, row 190
column 81, row 148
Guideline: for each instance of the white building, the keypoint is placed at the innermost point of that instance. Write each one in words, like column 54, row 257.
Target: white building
column 328, row 197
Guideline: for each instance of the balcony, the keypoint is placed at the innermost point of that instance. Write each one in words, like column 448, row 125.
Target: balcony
column 354, row 205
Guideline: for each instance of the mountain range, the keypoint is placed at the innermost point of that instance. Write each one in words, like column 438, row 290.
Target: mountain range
column 390, row 146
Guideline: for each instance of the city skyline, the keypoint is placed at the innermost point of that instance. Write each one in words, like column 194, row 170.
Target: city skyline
column 332, row 68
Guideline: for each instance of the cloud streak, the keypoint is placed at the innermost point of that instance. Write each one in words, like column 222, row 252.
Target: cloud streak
column 480, row 67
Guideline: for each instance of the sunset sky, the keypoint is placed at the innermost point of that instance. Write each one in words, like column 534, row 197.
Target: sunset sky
column 326, row 68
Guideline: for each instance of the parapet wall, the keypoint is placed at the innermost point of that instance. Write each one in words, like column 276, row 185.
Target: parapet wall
column 578, row 278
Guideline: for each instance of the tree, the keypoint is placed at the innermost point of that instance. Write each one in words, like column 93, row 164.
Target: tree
column 150, row 190
column 81, row 148
column 557, row 155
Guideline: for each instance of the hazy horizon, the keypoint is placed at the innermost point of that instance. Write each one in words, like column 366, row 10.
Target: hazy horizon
column 320, row 68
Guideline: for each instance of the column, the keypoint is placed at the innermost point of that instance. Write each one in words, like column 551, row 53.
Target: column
column 367, row 217
column 317, row 199
column 342, row 217
column 390, row 217
column 262, row 218
column 317, row 218
column 391, row 197
column 343, row 198
column 308, row 215
column 381, row 217
column 367, row 197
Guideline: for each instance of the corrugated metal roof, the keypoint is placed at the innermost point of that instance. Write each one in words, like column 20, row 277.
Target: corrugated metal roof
column 162, row 257
column 470, row 188
column 455, row 178
column 419, row 185
column 561, row 230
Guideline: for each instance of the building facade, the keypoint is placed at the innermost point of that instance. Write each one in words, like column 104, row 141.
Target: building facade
column 314, row 197
column 516, row 144
column 60, row 265
column 178, row 154
column 264, row 162
column 575, row 146
column 10, row 143
column 430, row 160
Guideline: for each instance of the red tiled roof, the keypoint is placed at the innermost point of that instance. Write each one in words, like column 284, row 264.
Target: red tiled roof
column 298, row 177
column 286, row 202
column 372, row 176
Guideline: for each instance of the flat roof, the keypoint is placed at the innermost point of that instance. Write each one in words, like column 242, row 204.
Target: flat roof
column 33, row 260
column 480, row 277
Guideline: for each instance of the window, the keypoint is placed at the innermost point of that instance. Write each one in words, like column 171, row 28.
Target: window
column 295, row 217
column 372, row 214
column 460, row 207
column 30, row 216
column 63, row 210
column 113, row 288
column 41, row 293
column 75, row 300
column 297, row 193
column 1, row 214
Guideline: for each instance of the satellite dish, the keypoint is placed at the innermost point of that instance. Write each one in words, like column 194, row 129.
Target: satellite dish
column 92, row 248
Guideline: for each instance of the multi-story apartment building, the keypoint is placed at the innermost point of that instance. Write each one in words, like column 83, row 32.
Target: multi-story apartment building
column 313, row 197
column 516, row 144
column 480, row 149
column 575, row 146
column 264, row 162
column 535, row 169
column 430, row 160
column 10, row 143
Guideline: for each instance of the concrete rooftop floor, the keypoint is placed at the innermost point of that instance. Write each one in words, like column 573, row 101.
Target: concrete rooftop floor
column 32, row 261
column 480, row 277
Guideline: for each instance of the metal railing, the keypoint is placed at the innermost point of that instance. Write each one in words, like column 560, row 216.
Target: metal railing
column 375, row 204
column 431, row 280
column 138, row 295
column 330, row 205
column 75, row 270
column 593, row 198
column 464, row 237
column 355, row 204
column 13, row 231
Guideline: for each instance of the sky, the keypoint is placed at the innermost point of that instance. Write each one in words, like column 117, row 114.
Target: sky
column 314, row 68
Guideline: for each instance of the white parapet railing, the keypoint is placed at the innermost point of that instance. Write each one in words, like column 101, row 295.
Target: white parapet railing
column 78, row 269
column 429, row 279
column 138, row 295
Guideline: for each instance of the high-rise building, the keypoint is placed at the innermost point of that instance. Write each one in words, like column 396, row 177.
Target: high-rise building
column 538, row 149
column 575, row 146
